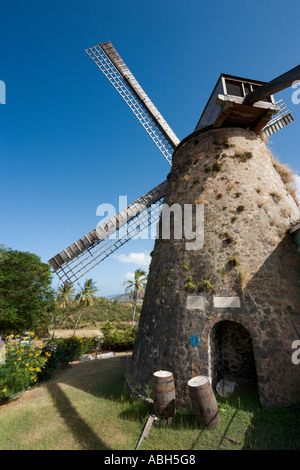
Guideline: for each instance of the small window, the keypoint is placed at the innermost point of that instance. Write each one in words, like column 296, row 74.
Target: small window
column 234, row 88
column 247, row 87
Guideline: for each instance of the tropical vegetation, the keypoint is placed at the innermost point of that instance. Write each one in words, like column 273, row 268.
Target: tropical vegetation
column 86, row 297
column 26, row 296
column 136, row 289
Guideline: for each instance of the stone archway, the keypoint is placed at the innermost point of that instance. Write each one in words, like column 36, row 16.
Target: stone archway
column 231, row 354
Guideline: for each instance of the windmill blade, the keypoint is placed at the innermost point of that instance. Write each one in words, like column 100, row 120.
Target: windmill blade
column 274, row 86
column 280, row 120
column 87, row 252
column 107, row 59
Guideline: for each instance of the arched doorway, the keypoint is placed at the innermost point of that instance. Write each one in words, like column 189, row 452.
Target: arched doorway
column 231, row 354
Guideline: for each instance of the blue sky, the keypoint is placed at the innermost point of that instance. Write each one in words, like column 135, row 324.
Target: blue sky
column 69, row 143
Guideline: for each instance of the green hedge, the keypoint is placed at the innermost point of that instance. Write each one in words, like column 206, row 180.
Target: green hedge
column 117, row 337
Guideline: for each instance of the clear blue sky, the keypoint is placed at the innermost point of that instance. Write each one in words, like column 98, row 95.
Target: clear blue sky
column 69, row 143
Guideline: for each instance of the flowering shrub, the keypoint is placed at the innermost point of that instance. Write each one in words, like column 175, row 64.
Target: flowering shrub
column 49, row 352
column 23, row 362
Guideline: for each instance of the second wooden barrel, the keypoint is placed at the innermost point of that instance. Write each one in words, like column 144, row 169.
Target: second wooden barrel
column 163, row 394
column 203, row 401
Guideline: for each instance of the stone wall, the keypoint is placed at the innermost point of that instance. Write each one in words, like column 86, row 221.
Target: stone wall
column 247, row 256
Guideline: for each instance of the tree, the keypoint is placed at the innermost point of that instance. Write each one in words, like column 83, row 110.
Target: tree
column 64, row 297
column 136, row 288
column 86, row 297
column 26, row 296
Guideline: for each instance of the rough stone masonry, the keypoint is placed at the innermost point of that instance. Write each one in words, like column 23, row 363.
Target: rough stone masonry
column 239, row 293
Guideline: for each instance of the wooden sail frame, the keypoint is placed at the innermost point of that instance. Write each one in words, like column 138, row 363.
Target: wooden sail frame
column 107, row 59
column 79, row 258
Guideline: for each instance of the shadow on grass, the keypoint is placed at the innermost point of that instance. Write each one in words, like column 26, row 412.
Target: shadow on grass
column 136, row 410
column 81, row 431
column 270, row 428
column 274, row 429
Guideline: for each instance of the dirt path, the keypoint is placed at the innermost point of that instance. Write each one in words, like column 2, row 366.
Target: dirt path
column 81, row 333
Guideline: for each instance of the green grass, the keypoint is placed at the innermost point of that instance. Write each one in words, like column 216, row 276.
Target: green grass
column 86, row 407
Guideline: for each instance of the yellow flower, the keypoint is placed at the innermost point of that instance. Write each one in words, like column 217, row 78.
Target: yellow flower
column 31, row 333
column 19, row 358
column 38, row 369
column 15, row 363
column 4, row 390
column 27, row 365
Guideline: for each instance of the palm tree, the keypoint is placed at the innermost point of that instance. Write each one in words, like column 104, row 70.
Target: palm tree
column 64, row 297
column 86, row 297
column 136, row 288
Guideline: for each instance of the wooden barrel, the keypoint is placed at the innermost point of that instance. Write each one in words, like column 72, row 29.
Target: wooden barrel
column 163, row 394
column 203, row 401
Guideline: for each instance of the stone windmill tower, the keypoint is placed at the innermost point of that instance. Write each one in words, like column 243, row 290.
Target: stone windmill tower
column 225, row 304
column 228, row 308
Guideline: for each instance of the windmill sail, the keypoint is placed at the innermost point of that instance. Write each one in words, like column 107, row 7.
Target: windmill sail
column 83, row 255
column 280, row 120
column 107, row 59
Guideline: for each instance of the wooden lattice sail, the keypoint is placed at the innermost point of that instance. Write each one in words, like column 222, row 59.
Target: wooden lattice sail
column 83, row 255
column 116, row 71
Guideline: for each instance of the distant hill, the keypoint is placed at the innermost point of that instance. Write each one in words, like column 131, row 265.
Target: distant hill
column 121, row 298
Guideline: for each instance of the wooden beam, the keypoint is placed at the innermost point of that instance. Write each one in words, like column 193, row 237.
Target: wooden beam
column 225, row 111
column 146, row 430
column 262, row 121
column 274, row 86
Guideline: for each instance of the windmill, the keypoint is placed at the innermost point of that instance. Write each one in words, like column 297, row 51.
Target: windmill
column 231, row 307
column 246, row 102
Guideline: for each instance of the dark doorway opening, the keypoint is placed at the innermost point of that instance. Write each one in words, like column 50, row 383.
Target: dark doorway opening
column 231, row 354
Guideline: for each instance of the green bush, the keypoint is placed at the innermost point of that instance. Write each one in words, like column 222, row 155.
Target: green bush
column 22, row 364
column 61, row 351
column 117, row 338
column 69, row 349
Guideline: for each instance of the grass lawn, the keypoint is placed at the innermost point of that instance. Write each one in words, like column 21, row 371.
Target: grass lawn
column 86, row 407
